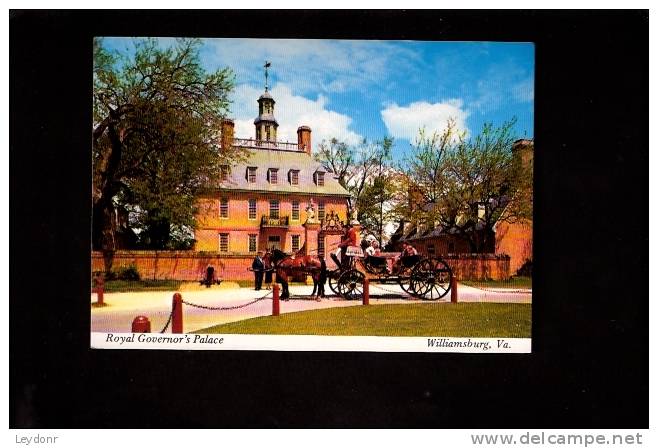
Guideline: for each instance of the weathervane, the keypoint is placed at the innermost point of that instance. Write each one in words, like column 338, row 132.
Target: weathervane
column 267, row 65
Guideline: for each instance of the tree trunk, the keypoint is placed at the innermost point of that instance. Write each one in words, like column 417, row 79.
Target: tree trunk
column 104, row 232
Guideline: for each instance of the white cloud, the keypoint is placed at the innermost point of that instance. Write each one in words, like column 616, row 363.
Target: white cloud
column 405, row 121
column 291, row 111
column 312, row 65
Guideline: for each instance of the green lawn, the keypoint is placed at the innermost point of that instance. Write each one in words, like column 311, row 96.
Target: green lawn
column 419, row 319
column 512, row 283
column 141, row 285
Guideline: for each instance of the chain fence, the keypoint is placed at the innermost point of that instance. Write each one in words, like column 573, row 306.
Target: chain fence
column 402, row 293
column 171, row 315
column 227, row 308
column 499, row 291
column 214, row 308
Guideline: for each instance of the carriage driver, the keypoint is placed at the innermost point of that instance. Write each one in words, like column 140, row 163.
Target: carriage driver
column 348, row 239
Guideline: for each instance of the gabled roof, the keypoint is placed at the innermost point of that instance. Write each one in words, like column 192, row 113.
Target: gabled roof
column 285, row 161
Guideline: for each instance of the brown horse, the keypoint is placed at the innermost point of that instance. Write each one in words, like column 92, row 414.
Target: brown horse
column 287, row 265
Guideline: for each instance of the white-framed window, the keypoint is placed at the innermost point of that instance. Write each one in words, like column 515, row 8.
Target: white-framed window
column 223, row 242
column 223, row 208
column 251, row 174
column 321, row 211
column 252, row 208
column 253, row 242
column 273, row 174
column 295, row 211
column 274, row 208
column 294, row 242
column 294, row 177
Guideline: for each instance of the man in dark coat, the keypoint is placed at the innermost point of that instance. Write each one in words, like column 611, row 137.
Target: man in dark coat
column 323, row 278
column 258, row 267
column 268, row 270
column 210, row 275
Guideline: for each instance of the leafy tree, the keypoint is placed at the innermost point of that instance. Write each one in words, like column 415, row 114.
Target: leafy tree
column 375, row 200
column 364, row 171
column 338, row 158
column 466, row 185
column 155, row 139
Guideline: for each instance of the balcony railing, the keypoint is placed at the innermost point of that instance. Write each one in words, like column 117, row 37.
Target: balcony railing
column 268, row 221
column 263, row 144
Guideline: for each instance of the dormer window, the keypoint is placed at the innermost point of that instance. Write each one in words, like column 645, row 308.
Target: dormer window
column 294, row 177
column 273, row 175
column 251, row 174
column 319, row 178
column 223, row 173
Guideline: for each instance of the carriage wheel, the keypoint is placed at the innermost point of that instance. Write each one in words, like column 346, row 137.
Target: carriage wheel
column 332, row 278
column 430, row 279
column 404, row 280
column 350, row 284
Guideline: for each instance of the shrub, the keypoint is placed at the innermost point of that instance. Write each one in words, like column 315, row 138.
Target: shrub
column 526, row 269
column 129, row 273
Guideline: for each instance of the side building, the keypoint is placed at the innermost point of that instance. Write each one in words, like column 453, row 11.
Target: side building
column 508, row 250
column 263, row 202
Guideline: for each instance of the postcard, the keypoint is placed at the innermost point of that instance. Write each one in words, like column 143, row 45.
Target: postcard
column 312, row 195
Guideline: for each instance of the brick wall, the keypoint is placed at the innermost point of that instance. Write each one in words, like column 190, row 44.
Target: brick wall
column 515, row 240
column 178, row 265
column 479, row 266
column 189, row 265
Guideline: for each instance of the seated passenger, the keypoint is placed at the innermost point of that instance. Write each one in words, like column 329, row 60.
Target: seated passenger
column 374, row 257
column 370, row 249
column 408, row 257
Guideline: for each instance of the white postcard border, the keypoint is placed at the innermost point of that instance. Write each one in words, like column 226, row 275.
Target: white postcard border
column 429, row 344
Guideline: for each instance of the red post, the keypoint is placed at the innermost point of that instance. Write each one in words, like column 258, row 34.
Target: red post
column 177, row 314
column 366, row 291
column 453, row 289
column 275, row 299
column 141, row 324
column 100, row 289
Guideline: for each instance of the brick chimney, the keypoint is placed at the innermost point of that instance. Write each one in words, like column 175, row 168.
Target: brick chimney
column 523, row 151
column 304, row 139
column 228, row 132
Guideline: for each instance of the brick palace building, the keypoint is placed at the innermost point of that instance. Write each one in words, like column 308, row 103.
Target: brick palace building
column 262, row 202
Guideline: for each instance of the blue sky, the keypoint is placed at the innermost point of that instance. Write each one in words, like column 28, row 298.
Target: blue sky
column 370, row 89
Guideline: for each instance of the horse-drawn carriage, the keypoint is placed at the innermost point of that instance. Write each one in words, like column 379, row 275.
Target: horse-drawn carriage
column 427, row 278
